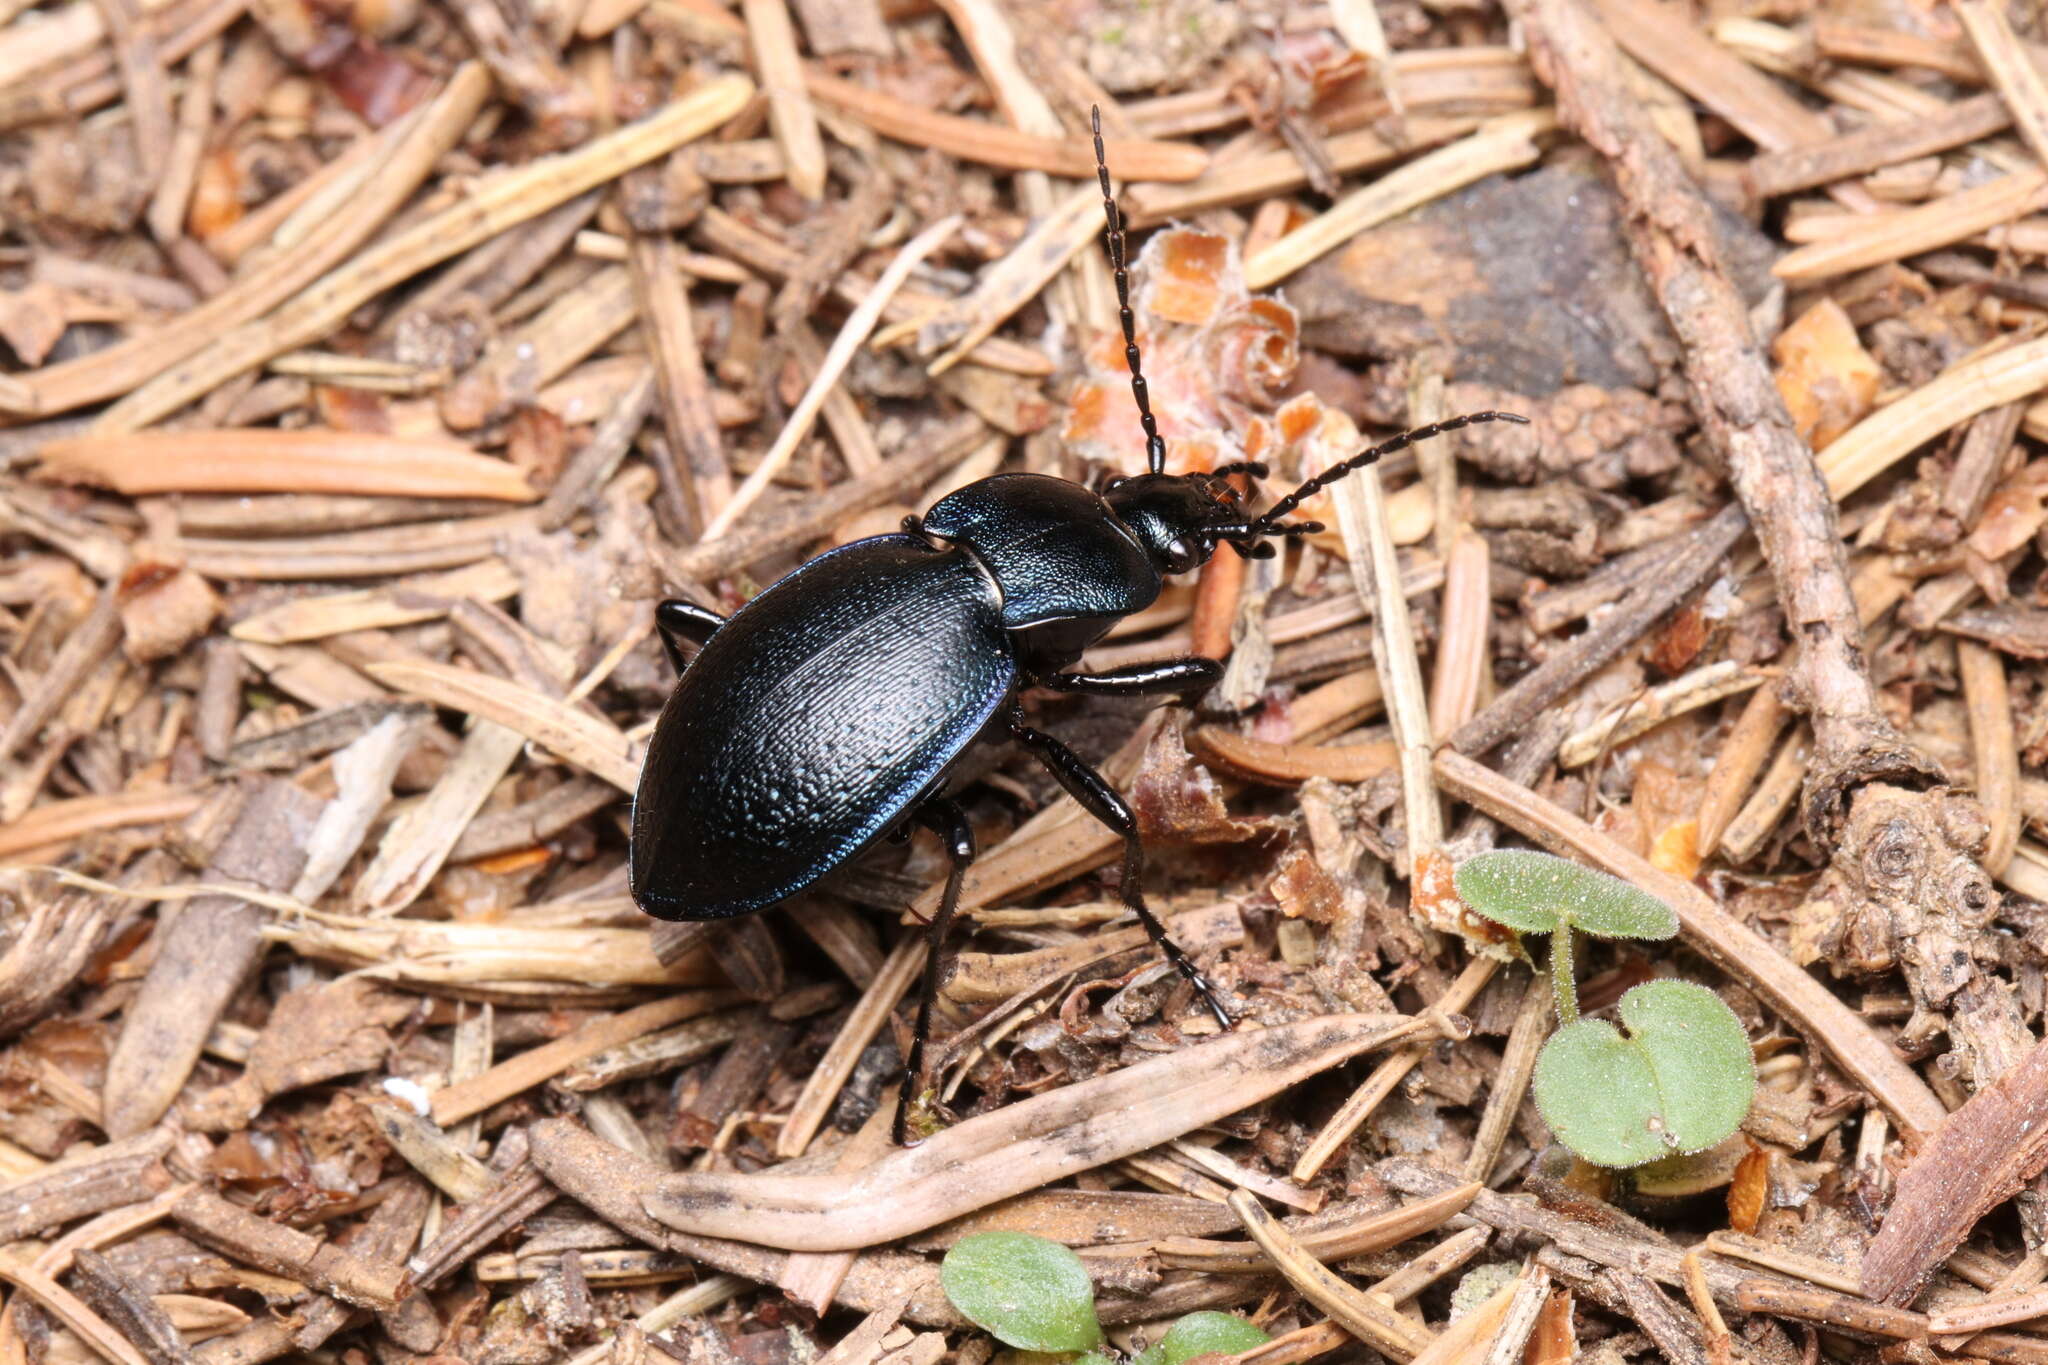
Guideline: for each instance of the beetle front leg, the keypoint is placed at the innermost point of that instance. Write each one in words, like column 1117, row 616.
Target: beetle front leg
column 949, row 822
column 1187, row 676
column 1101, row 800
column 679, row 620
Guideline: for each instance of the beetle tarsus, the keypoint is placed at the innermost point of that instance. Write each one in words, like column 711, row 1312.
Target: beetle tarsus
column 679, row 621
column 1103, row 802
column 949, row 822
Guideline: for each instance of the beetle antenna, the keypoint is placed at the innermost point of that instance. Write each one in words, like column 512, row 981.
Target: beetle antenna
column 1266, row 524
column 1155, row 444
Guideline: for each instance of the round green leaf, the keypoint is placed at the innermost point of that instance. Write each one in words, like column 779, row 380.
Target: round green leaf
column 1022, row 1290
column 1680, row 1080
column 1200, row 1334
column 1533, row 893
column 1702, row 1059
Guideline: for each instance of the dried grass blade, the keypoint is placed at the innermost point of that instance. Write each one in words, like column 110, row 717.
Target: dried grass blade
column 2013, row 72
column 1894, row 431
column 1890, row 236
column 67, row 1308
column 991, row 144
column 416, row 145
column 1023, row 1146
column 1502, row 144
column 1995, row 745
column 268, row 461
column 1366, row 1316
column 1639, row 715
column 1376, row 1233
column 403, row 603
column 573, row 734
column 453, row 1103
column 497, row 203
column 837, row 358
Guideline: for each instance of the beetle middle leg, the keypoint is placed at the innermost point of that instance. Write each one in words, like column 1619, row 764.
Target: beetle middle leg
column 1102, row 801
column 679, row 620
column 949, row 822
column 1187, row 676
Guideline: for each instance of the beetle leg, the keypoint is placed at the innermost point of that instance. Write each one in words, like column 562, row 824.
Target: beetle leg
column 947, row 820
column 1101, row 800
column 678, row 620
column 1187, row 675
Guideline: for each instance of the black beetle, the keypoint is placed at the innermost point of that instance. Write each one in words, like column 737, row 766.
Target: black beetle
column 829, row 711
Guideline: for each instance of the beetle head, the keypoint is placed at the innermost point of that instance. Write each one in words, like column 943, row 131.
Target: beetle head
column 1180, row 519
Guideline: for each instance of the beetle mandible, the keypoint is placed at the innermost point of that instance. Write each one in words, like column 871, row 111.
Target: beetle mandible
column 829, row 711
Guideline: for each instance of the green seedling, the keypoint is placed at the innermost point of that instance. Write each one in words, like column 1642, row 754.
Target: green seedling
column 1680, row 1079
column 1035, row 1295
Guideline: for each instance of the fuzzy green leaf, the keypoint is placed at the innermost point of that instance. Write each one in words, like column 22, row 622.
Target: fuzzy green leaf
column 1201, row 1334
column 1022, row 1290
column 1533, row 893
column 1680, row 1080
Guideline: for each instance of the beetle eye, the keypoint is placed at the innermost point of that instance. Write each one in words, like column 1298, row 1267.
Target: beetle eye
column 1118, row 482
column 1180, row 557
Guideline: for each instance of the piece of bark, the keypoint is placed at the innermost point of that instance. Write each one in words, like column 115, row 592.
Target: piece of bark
column 56, row 930
column 1671, row 230
column 1981, row 1157
column 747, row 953
column 205, row 955
column 518, row 1196
column 1515, row 710
column 247, row 1237
column 734, row 1082
column 219, row 704
column 128, row 1308
column 111, row 1177
column 314, row 1034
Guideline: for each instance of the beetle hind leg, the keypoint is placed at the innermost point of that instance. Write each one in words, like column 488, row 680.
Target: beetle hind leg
column 679, row 621
column 1101, row 800
column 949, row 822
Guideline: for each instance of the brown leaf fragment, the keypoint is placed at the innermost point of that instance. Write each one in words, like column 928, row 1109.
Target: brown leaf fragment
column 1749, row 1189
column 1829, row 382
column 31, row 320
column 1178, row 799
column 163, row 613
column 1286, row 764
column 1978, row 1159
